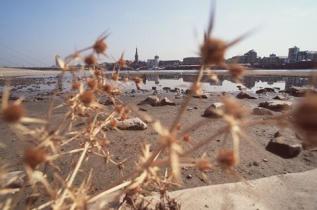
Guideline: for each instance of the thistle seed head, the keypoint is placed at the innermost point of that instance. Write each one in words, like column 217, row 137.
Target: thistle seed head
column 34, row 157
column 90, row 60
column 213, row 52
column 100, row 46
column 13, row 113
column 87, row 97
column 226, row 158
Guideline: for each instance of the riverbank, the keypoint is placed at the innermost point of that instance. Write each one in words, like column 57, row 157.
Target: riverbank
column 15, row 72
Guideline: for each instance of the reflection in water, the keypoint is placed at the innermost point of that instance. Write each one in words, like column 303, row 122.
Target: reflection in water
column 225, row 82
column 32, row 86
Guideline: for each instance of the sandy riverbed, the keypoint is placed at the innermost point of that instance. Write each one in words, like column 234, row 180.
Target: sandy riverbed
column 255, row 163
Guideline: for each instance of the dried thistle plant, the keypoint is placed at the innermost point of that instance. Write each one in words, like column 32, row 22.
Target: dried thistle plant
column 157, row 169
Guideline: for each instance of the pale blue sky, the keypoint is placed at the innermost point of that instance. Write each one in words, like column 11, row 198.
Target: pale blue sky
column 33, row 31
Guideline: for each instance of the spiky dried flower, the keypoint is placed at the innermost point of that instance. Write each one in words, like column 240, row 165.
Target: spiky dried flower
column 186, row 137
column 115, row 76
column 107, row 88
column 13, row 113
column 213, row 52
column 233, row 108
column 75, row 85
column 92, row 83
column 237, row 71
column 34, row 157
column 203, row 165
column 226, row 158
column 87, row 97
column 100, row 46
column 305, row 119
column 90, row 60
column 121, row 62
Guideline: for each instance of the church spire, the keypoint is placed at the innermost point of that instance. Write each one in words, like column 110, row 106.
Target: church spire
column 136, row 56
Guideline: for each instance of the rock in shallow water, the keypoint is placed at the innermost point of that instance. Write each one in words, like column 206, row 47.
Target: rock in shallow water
column 265, row 90
column 299, row 91
column 280, row 97
column 132, row 124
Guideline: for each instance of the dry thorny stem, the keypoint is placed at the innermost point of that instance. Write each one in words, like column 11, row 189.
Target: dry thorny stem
column 83, row 104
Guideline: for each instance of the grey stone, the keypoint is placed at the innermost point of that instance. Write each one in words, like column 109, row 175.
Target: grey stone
column 204, row 96
column 151, row 100
column 166, row 101
column 299, row 91
column 132, row 124
column 261, row 111
column 280, row 97
column 265, row 90
column 283, row 149
column 211, row 110
column 246, row 95
column 276, row 105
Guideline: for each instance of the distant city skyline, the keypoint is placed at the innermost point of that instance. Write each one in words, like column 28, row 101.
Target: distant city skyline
column 33, row 32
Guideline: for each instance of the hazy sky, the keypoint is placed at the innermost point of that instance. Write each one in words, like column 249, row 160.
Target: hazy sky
column 34, row 31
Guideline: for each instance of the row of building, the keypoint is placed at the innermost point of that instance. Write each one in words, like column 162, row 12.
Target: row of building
column 156, row 63
column 294, row 56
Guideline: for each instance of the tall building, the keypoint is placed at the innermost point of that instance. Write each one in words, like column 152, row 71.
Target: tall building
column 251, row 57
column 153, row 63
column 293, row 54
column 136, row 56
column 192, row 61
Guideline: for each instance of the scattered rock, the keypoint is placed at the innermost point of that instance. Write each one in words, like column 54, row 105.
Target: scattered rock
column 211, row 110
column 133, row 91
column 265, row 90
column 261, row 111
column 276, row 105
column 299, row 91
column 142, row 109
column 155, row 101
column 277, row 134
column 255, row 163
column 175, row 90
column 246, row 95
column 13, row 98
column 166, row 89
column 132, row 124
column 189, row 176
column 187, row 91
column 280, row 97
column 107, row 102
column 153, row 88
column 178, row 96
column 283, row 150
column 265, row 160
column 201, row 96
column 166, row 101
column 151, row 100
